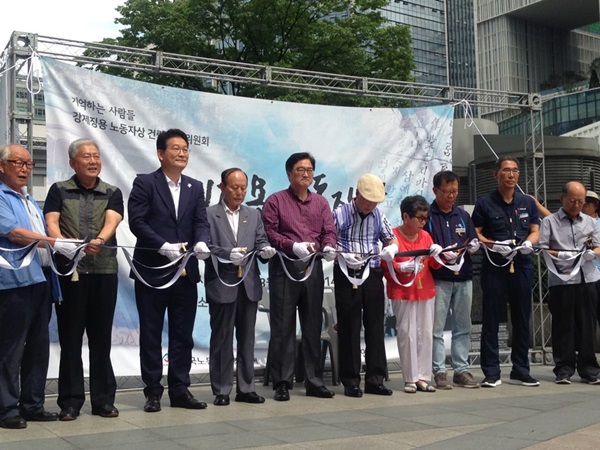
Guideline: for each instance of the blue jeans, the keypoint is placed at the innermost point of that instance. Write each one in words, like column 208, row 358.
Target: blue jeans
column 456, row 297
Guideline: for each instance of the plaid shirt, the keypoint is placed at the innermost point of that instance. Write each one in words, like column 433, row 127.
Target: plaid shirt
column 361, row 234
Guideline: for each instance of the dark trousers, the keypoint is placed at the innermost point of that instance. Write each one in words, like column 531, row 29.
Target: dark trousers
column 598, row 301
column 88, row 305
column 224, row 317
column 285, row 296
column 180, row 300
column 366, row 303
column 24, row 348
column 500, row 287
column 573, row 309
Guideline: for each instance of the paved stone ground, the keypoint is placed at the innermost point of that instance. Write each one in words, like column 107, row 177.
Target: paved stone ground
column 509, row 417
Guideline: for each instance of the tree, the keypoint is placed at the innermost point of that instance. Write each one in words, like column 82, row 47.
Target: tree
column 348, row 37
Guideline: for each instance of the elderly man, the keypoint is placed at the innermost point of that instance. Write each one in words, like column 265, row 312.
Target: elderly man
column 85, row 207
column 167, row 213
column 450, row 225
column 502, row 218
column 25, row 296
column 590, row 207
column 298, row 223
column 235, row 230
column 361, row 226
column 572, row 300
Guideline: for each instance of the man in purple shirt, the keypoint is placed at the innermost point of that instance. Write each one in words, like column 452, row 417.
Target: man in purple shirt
column 298, row 223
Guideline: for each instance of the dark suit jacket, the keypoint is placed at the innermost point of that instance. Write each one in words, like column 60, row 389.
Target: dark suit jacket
column 153, row 222
column 251, row 234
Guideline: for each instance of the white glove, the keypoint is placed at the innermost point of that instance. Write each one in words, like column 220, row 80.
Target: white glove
column 267, row 252
column 527, row 248
column 566, row 255
column 171, row 251
column 450, row 256
column 352, row 261
column 435, row 250
column 589, row 255
column 328, row 253
column 474, row 245
column 388, row 252
column 201, row 250
column 407, row 266
column 503, row 248
column 65, row 248
column 237, row 255
column 302, row 249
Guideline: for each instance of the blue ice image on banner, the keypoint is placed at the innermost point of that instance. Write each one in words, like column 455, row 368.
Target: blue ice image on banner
column 404, row 147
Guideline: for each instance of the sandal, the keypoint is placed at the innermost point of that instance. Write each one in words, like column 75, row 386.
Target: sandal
column 424, row 386
column 410, row 388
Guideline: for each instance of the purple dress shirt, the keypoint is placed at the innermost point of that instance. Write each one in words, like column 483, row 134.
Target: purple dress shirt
column 287, row 219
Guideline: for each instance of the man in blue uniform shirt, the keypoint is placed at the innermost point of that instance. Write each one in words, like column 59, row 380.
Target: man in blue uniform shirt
column 502, row 218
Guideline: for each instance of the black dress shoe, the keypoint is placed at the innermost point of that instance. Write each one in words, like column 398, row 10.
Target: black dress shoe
column 106, row 411
column 377, row 389
column 249, row 397
column 39, row 416
column 281, row 392
column 187, row 401
column 67, row 414
column 353, row 391
column 13, row 423
column 152, row 403
column 321, row 392
column 221, row 400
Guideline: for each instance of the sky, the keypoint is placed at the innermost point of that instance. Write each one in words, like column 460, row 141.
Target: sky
column 68, row 19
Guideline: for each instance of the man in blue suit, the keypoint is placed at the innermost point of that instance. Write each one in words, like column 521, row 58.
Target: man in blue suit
column 235, row 230
column 167, row 212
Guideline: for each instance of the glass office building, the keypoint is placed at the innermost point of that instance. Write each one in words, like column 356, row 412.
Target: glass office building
column 427, row 22
column 561, row 114
column 521, row 44
column 462, row 67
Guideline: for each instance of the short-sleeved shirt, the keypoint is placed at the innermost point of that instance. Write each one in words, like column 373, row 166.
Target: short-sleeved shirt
column 423, row 287
column 82, row 216
column 559, row 231
column 13, row 214
column 359, row 234
column 502, row 221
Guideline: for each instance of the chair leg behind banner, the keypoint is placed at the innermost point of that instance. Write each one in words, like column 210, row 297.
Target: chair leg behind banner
column 329, row 343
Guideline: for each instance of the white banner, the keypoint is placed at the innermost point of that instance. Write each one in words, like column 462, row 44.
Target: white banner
column 405, row 147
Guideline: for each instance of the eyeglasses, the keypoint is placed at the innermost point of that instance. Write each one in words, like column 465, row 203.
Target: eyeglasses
column 177, row 149
column 421, row 219
column 303, row 170
column 507, row 170
column 447, row 193
column 574, row 201
column 19, row 164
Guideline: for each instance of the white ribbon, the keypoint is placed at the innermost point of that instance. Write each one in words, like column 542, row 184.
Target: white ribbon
column 25, row 260
column 307, row 271
column 344, row 268
column 579, row 261
column 250, row 256
column 183, row 259
column 457, row 265
column 415, row 272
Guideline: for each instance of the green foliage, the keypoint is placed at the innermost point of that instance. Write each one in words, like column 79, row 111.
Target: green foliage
column 347, row 37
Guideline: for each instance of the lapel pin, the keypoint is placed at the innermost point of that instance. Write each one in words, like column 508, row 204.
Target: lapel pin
column 189, row 185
